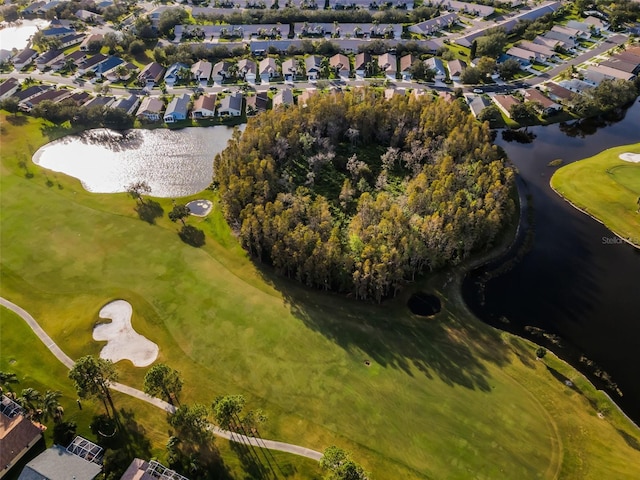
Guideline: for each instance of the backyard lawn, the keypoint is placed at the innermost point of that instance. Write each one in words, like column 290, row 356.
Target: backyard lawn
column 444, row 397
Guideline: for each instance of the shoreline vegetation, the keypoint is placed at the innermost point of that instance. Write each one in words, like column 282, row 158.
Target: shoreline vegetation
column 239, row 328
column 606, row 188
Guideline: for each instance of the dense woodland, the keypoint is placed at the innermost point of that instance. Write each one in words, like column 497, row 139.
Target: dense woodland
column 355, row 193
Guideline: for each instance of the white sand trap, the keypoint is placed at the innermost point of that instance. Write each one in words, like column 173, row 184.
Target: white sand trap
column 123, row 342
column 630, row 157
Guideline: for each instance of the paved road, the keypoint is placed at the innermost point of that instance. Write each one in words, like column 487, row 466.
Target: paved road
column 156, row 402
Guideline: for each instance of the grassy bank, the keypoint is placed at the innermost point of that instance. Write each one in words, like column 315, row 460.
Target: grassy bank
column 605, row 187
column 444, row 397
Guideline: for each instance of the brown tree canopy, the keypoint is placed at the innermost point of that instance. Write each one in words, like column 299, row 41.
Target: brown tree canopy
column 356, row 193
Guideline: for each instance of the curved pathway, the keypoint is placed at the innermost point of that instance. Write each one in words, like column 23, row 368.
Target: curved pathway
column 156, row 402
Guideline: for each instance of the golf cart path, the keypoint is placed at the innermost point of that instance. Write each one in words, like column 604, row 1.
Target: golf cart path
column 156, row 402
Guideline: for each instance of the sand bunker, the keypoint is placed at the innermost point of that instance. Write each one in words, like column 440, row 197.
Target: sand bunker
column 200, row 208
column 630, row 157
column 123, row 342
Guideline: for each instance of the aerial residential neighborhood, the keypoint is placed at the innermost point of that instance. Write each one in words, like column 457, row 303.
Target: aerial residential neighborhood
column 319, row 239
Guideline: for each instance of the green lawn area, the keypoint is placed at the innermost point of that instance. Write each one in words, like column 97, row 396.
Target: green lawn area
column 607, row 188
column 445, row 397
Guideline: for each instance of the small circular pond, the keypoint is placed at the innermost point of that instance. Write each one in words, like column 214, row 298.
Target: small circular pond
column 174, row 163
column 424, row 304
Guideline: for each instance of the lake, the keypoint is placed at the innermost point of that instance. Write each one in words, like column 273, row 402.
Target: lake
column 18, row 35
column 175, row 163
column 576, row 281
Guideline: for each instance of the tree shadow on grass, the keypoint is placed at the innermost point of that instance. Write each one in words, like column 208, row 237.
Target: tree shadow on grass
column 452, row 345
column 149, row 211
column 630, row 439
column 16, row 120
column 257, row 463
column 566, row 381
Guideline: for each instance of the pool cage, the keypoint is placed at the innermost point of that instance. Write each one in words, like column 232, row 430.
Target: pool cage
column 9, row 408
column 159, row 471
column 86, row 450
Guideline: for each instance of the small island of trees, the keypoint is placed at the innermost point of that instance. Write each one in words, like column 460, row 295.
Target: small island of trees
column 355, row 193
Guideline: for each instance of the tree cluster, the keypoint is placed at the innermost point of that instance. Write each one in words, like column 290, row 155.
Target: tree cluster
column 607, row 96
column 340, row 466
column 358, row 194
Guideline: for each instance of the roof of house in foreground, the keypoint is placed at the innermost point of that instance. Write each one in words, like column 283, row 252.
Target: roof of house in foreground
column 56, row 463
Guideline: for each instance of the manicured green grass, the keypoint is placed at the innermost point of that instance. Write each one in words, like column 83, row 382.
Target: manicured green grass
column 446, row 397
column 22, row 353
column 607, row 188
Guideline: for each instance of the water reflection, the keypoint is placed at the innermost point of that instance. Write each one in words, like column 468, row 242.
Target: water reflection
column 174, row 163
column 18, row 35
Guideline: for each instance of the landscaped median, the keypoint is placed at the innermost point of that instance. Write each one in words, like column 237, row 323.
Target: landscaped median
column 411, row 397
column 606, row 187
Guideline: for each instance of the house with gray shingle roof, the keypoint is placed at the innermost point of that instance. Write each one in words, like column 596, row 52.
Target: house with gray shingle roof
column 231, row 105
column 177, row 109
column 57, row 463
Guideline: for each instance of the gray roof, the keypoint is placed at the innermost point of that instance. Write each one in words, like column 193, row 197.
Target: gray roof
column 232, row 102
column 179, row 104
column 56, row 463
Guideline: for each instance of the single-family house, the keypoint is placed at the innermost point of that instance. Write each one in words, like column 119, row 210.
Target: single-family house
column 220, row 71
column 304, row 97
column 341, row 66
column 505, row 102
column 177, row 109
column 90, row 63
column 150, row 109
column 49, row 57
column 247, row 70
column 546, row 53
column 289, row 69
column 79, row 98
column 611, row 73
column 95, row 37
column 77, row 57
column 79, row 463
column 268, row 69
column 57, row 32
column 456, row 67
column 172, row 75
column 313, row 67
column 406, row 61
column 437, row 66
column 100, row 101
column 89, row 17
column 201, row 70
column 283, row 97
column 361, row 64
column 522, row 55
column 572, row 33
column 24, row 58
column 17, row 433
column 231, row 105
column 70, row 40
column 585, row 29
column 204, row 106
column 595, row 23
column 568, row 42
column 128, row 104
column 619, row 63
column 108, row 66
column 557, row 92
column 389, row 65
column 151, row 75
column 8, row 88
column 257, row 103
column 434, row 25
column 142, row 470
column 477, row 103
column 543, row 103
column 31, row 92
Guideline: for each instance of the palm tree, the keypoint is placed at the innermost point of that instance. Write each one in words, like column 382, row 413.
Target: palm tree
column 6, row 380
column 50, row 406
column 29, row 399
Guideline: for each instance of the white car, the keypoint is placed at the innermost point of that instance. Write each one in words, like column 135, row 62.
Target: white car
column 478, row 90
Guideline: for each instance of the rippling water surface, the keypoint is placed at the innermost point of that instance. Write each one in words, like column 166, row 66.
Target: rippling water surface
column 17, row 35
column 174, row 163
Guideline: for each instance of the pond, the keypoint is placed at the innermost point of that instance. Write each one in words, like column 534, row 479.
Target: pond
column 18, row 35
column 174, row 163
column 569, row 280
